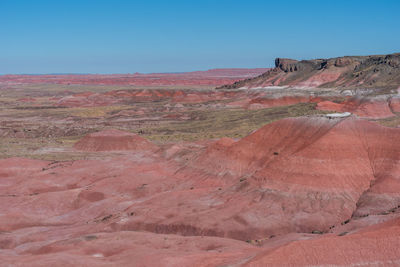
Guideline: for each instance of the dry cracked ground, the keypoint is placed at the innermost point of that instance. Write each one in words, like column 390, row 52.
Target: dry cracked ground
column 165, row 170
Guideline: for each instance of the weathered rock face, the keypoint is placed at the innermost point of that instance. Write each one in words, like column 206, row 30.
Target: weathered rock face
column 287, row 65
column 343, row 62
column 358, row 71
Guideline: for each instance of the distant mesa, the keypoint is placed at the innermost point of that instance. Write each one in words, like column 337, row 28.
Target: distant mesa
column 114, row 140
column 377, row 71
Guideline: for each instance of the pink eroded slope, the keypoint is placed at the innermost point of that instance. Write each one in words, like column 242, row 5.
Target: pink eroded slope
column 368, row 108
column 186, row 205
column 375, row 246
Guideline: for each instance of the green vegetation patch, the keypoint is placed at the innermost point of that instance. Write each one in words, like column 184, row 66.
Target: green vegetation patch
column 235, row 123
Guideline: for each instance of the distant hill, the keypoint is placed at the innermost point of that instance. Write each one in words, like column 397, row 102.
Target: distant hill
column 377, row 71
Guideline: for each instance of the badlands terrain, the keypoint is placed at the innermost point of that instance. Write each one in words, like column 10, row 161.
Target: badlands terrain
column 226, row 167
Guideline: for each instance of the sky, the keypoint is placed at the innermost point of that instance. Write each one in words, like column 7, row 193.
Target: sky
column 117, row 36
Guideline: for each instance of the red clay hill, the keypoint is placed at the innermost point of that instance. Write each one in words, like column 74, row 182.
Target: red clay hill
column 297, row 192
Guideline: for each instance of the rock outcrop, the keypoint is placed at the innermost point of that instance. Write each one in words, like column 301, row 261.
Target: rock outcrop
column 378, row 71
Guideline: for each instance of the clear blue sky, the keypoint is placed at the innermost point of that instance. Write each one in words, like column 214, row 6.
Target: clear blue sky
column 116, row 36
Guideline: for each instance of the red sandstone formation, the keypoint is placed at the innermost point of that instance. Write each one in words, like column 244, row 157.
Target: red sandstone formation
column 111, row 140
